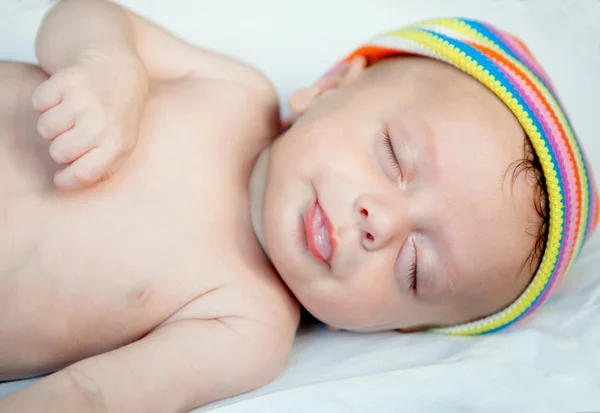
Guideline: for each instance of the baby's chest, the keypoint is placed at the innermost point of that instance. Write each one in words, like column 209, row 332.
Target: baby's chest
column 179, row 213
column 136, row 257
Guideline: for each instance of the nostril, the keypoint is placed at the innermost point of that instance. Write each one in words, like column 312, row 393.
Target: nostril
column 364, row 212
column 370, row 237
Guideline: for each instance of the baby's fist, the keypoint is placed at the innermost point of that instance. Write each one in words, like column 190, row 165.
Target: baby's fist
column 90, row 112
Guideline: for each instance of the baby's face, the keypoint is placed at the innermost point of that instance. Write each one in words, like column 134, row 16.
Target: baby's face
column 433, row 232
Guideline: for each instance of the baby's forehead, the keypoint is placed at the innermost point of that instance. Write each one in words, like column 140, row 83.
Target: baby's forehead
column 438, row 90
column 450, row 100
column 430, row 75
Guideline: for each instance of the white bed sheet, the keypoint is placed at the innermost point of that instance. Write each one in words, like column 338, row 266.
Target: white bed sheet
column 551, row 362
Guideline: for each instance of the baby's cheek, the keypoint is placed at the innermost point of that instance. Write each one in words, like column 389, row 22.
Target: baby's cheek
column 369, row 298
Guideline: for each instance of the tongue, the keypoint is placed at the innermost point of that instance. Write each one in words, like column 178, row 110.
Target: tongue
column 321, row 234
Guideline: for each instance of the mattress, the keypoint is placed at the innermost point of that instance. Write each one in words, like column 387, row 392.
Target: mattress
column 547, row 363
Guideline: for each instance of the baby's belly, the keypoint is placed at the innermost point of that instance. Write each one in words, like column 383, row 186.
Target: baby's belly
column 100, row 268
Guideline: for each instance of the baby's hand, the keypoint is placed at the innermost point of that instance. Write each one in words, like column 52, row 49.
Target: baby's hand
column 90, row 111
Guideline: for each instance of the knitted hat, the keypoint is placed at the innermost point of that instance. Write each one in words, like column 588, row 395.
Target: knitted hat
column 505, row 65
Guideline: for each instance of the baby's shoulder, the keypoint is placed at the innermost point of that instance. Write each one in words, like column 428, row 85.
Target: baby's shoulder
column 221, row 93
column 215, row 106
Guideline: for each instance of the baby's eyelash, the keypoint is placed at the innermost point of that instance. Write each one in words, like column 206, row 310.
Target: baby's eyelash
column 412, row 272
column 385, row 137
column 412, row 276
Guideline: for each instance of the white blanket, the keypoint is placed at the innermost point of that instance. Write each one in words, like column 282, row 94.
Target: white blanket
column 551, row 362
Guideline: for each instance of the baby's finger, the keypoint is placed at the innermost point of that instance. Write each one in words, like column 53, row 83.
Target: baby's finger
column 71, row 145
column 47, row 95
column 85, row 171
column 56, row 120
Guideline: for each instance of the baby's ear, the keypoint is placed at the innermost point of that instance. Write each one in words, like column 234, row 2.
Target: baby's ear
column 341, row 75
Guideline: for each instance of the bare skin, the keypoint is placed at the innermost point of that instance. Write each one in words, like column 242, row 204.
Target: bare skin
column 126, row 234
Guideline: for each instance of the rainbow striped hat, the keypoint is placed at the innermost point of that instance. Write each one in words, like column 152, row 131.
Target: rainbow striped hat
column 505, row 65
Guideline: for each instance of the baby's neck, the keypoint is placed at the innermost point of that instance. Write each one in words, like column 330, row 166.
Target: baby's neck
column 257, row 187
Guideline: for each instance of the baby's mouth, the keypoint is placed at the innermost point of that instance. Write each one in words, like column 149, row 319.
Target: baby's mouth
column 319, row 234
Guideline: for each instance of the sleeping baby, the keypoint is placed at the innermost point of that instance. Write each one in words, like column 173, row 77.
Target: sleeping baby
column 160, row 230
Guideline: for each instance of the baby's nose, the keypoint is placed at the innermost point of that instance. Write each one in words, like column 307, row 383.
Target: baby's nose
column 382, row 219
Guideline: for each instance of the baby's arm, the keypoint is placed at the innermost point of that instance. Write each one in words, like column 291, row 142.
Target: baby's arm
column 174, row 369
column 76, row 27
column 100, row 56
